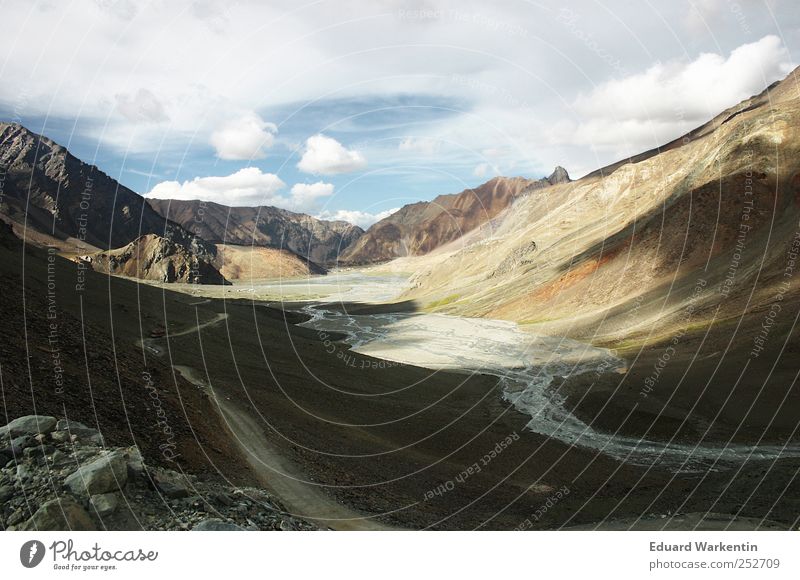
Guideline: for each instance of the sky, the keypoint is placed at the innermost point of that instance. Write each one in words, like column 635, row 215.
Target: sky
column 349, row 110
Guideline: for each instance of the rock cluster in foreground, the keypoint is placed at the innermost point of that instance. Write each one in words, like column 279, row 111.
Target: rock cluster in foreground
column 59, row 475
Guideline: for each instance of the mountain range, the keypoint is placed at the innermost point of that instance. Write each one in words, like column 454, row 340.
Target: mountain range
column 52, row 198
column 681, row 261
column 419, row 228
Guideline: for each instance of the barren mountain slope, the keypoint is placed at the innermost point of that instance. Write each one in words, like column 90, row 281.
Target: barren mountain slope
column 419, row 228
column 53, row 199
column 721, row 206
column 684, row 262
column 249, row 263
column 53, row 192
column 153, row 257
column 317, row 240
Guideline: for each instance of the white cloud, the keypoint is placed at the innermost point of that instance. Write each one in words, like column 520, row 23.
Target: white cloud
column 360, row 218
column 306, row 194
column 667, row 99
column 496, row 83
column 144, row 106
column 326, row 156
column 244, row 138
column 246, row 187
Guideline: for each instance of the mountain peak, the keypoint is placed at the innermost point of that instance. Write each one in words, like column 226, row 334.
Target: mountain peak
column 559, row 175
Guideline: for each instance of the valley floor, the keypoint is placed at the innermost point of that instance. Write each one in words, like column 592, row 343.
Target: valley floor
column 345, row 439
column 430, row 449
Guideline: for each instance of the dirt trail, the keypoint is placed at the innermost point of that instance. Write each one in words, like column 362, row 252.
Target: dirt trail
column 305, row 500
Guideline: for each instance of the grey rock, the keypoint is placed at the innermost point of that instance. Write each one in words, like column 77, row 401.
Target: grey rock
column 37, row 450
column 24, row 472
column 224, row 499
column 6, row 492
column 135, row 461
column 59, row 457
column 172, row 485
column 73, row 431
column 68, row 425
column 61, row 436
column 16, row 516
column 216, row 525
column 559, row 175
column 29, row 425
column 108, row 472
column 90, row 436
column 104, row 504
column 60, row 514
column 17, row 445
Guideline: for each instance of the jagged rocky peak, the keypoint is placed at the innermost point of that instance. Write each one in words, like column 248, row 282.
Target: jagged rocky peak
column 559, row 175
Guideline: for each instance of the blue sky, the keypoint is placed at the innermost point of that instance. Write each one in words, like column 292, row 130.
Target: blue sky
column 353, row 109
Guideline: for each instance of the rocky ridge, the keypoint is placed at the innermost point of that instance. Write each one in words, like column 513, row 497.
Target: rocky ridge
column 154, row 257
column 420, row 228
column 315, row 240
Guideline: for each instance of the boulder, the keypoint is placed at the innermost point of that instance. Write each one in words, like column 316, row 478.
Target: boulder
column 29, row 425
column 38, row 451
column 69, row 425
column 6, row 492
column 171, row 484
column 135, row 461
column 91, row 436
column 60, row 514
column 61, row 436
column 216, row 525
column 109, row 472
column 18, row 444
column 104, row 504
column 59, row 458
column 25, row 472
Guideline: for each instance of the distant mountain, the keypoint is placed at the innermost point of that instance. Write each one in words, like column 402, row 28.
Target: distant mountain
column 419, row 228
column 251, row 263
column 56, row 193
column 316, row 240
column 721, row 203
column 52, row 196
column 153, row 257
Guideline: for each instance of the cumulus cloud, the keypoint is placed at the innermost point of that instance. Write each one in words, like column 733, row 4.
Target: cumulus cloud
column 307, row 194
column 360, row 218
column 246, row 187
column 647, row 109
column 244, row 138
column 194, row 63
column 326, row 156
column 693, row 91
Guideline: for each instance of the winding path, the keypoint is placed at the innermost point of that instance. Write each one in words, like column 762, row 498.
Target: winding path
column 304, row 500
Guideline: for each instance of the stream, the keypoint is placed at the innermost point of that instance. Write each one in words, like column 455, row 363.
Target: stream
column 526, row 364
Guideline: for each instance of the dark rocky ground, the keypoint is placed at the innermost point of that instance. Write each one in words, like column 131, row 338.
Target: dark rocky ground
column 380, row 438
column 59, row 475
